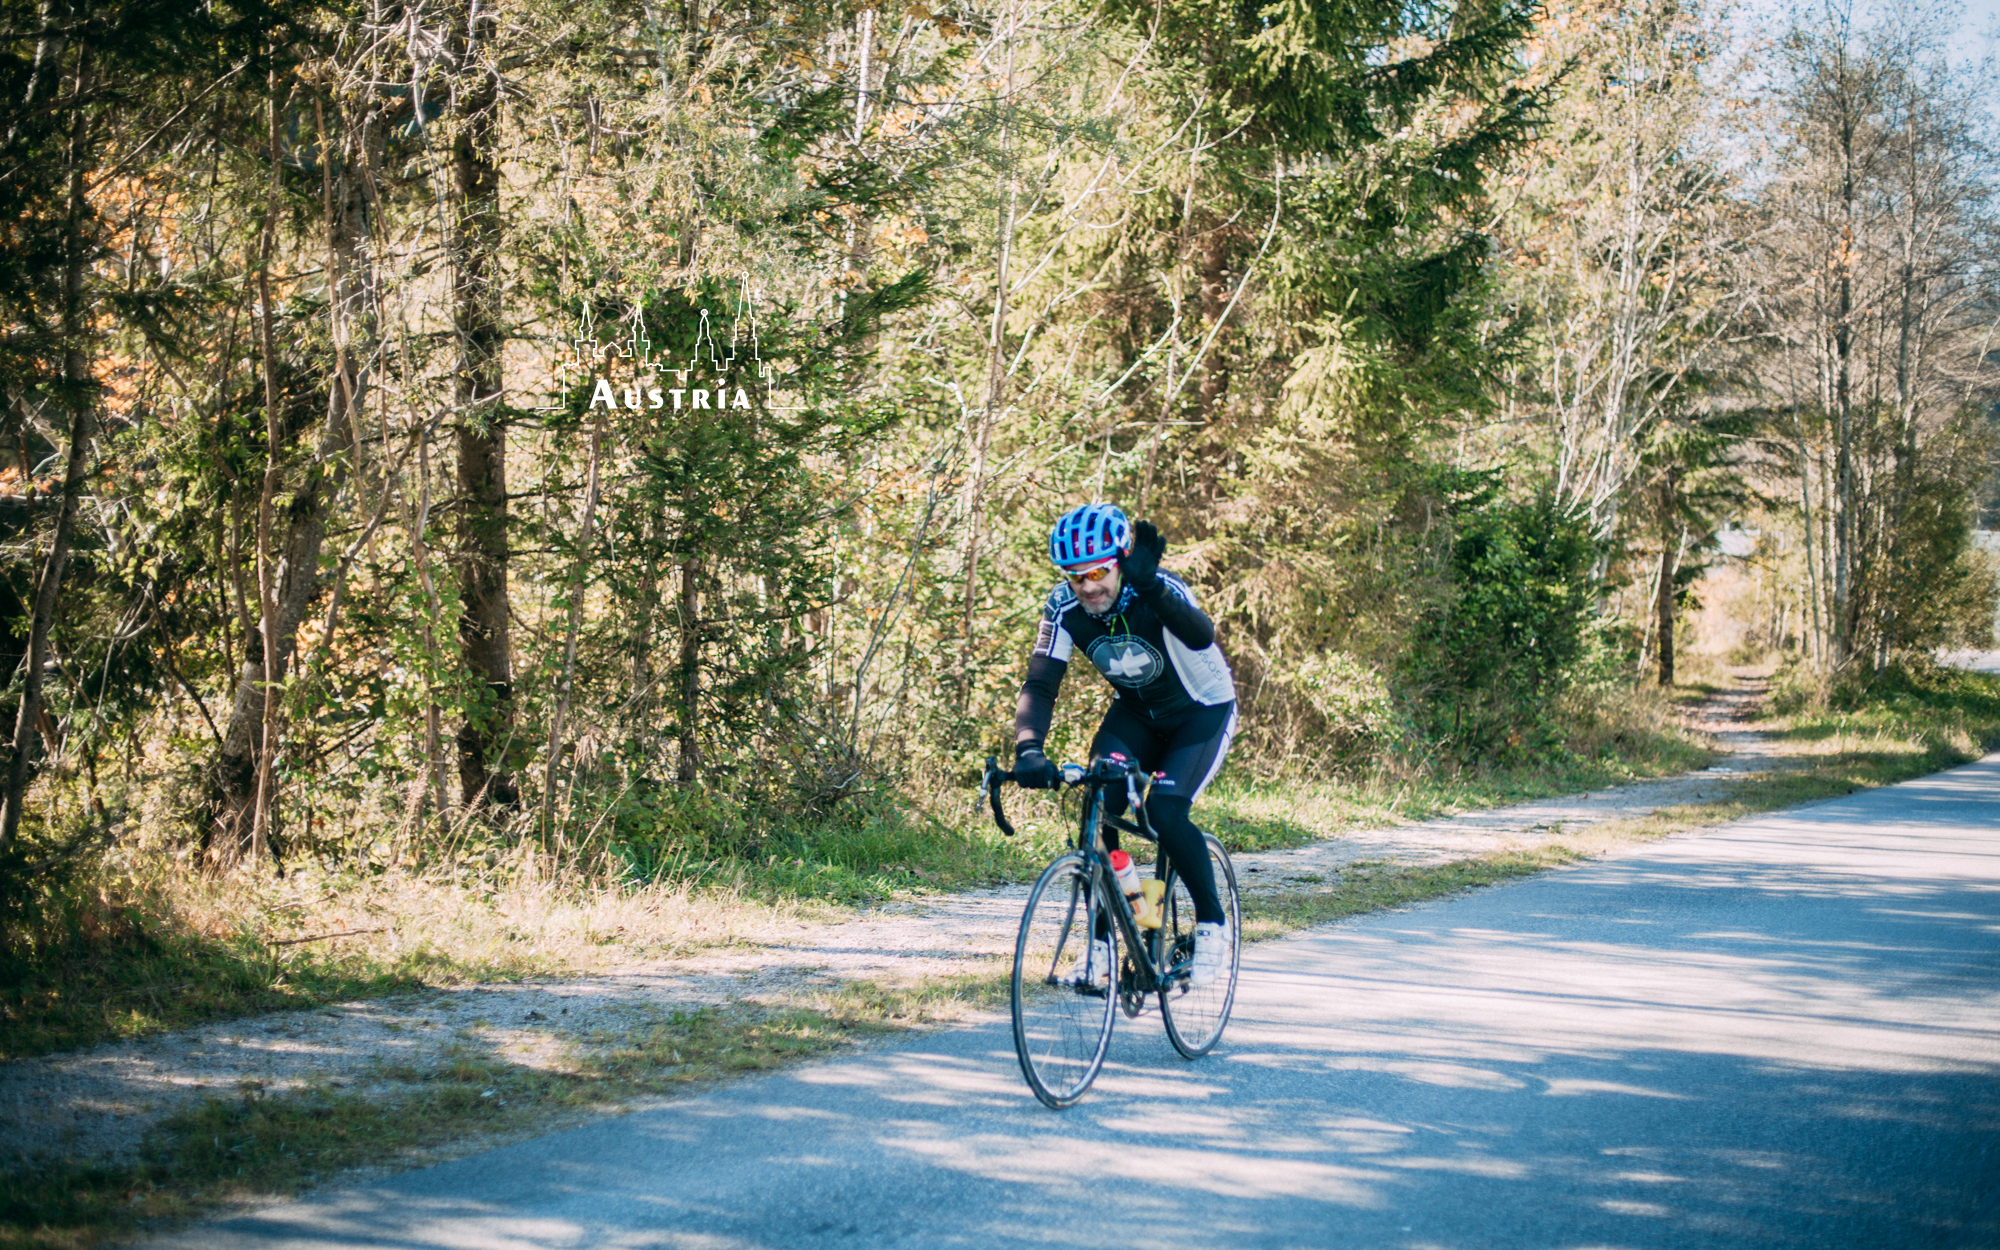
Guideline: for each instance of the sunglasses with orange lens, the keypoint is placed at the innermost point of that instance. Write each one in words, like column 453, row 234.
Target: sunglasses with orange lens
column 1091, row 577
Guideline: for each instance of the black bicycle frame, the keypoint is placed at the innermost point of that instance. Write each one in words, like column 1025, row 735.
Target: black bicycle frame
column 1095, row 780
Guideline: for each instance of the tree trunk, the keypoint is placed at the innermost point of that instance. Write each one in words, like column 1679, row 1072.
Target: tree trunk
column 996, row 376
column 1843, row 406
column 690, row 672
column 274, row 450
column 577, row 590
column 29, row 714
column 77, row 393
column 1214, row 304
column 233, row 775
column 1817, row 641
column 688, row 763
column 1663, row 593
column 482, row 440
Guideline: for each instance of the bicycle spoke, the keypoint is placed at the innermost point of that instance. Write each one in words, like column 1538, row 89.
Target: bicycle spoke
column 1062, row 1017
column 1195, row 1016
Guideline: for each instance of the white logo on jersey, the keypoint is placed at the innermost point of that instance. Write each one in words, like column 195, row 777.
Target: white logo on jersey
column 1127, row 660
column 1127, row 664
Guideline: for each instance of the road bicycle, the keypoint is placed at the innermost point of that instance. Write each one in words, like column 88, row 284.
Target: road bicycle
column 1065, row 994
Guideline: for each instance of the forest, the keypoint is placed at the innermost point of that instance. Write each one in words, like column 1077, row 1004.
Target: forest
column 619, row 439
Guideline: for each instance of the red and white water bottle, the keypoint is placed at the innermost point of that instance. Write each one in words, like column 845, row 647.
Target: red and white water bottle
column 1145, row 904
column 1127, row 873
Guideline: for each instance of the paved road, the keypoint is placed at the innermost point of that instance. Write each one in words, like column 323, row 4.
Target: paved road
column 1779, row 1034
column 1977, row 661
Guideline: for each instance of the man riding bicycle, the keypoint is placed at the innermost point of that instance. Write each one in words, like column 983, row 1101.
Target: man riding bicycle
column 1175, row 709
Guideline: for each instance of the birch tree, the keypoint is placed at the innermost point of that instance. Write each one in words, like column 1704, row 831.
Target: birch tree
column 1880, row 305
column 1621, row 238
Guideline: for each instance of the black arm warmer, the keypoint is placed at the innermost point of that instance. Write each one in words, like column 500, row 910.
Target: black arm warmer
column 1036, row 708
column 1187, row 622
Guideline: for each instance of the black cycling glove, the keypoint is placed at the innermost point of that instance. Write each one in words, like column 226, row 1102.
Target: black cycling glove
column 1140, row 567
column 1034, row 771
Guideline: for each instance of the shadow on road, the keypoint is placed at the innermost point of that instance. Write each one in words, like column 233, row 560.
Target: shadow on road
column 1779, row 1034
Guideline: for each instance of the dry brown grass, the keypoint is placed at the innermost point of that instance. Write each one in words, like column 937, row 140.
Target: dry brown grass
column 140, row 945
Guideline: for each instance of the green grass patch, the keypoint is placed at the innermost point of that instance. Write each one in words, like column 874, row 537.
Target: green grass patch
column 1933, row 706
column 876, row 859
column 859, row 850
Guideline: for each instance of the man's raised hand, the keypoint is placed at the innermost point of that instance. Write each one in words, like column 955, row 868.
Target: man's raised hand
column 1140, row 567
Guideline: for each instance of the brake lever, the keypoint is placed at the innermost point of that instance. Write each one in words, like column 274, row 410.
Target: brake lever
column 989, row 789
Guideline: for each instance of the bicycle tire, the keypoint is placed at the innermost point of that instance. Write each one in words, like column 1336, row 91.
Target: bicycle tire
column 1195, row 1017
column 1062, row 1016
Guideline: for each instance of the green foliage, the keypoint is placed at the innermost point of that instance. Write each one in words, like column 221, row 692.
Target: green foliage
column 1250, row 291
column 1931, row 547
column 1487, row 662
column 1921, row 697
column 714, row 550
column 1312, row 77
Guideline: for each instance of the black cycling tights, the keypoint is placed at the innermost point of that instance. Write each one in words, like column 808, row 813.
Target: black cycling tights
column 1183, row 844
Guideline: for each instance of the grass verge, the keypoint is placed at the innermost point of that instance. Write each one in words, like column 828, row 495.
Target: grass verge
column 1252, row 817
column 135, row 947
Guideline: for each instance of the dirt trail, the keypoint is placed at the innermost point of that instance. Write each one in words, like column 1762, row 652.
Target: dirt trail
column 99, row 1103
column 1724, row 716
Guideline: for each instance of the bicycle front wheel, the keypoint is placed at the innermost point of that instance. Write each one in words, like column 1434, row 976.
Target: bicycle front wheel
column 1065, row 988
column 1195, row 1016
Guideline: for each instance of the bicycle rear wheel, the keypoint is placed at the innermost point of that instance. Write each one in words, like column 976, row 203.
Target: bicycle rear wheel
column 1063, row 1001
column 1195, row 1017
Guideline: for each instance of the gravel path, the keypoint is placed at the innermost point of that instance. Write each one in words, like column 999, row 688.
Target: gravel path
column 1723, row 717
column 99, row 1103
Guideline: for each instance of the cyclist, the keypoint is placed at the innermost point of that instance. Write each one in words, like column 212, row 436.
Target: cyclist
column 1175, row 709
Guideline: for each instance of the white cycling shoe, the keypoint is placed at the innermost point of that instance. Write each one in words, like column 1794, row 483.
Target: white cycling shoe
column 1211, row 954
column 1099, row 973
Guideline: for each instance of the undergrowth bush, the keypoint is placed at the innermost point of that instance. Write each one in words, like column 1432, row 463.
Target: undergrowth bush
column 1486, row 666
column 96, row 950
column 867, row 846
column 1798, row 686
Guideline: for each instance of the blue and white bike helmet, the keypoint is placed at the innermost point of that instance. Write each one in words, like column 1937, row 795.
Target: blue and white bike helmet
column 1094, row 534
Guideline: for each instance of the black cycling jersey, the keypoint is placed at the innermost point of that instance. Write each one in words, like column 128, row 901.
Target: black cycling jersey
column 1157, row 650
column 1175, row 711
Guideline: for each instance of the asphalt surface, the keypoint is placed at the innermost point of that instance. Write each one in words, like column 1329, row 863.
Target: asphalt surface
column 1976, row 661
column 1781, row 1033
